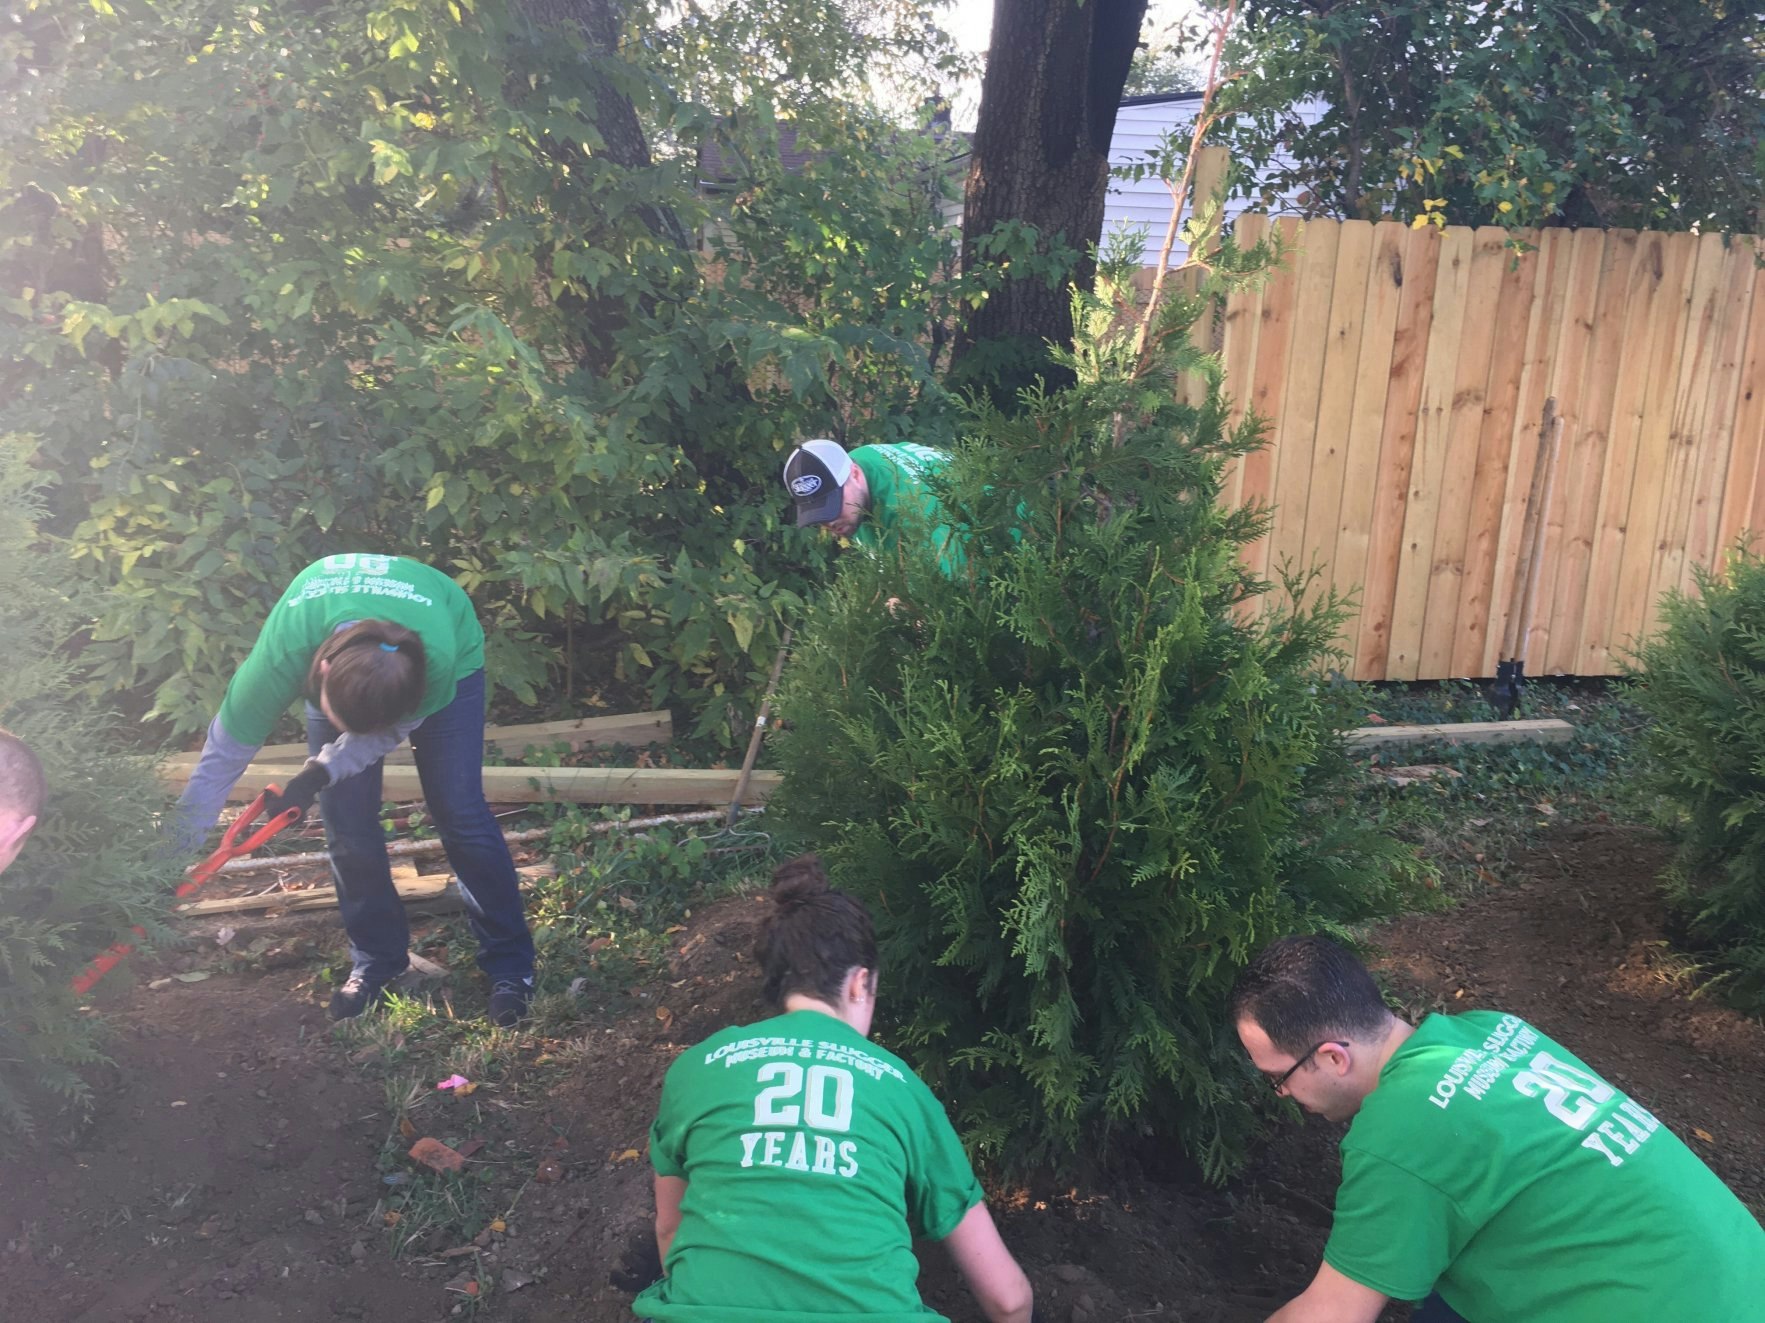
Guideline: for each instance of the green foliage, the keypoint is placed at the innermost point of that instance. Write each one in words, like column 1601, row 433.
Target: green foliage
column 1641, row 113
column 366, row 275
column 1082, row 782
column 93, row 867
column 1503, row 796
column 1701, row 683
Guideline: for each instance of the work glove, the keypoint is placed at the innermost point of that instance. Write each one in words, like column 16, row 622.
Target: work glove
column 300, row 792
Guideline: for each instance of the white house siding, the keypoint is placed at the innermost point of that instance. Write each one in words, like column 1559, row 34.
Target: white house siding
column 1141, row 126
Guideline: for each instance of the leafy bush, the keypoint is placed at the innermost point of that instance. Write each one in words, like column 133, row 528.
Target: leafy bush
column 366, row 274
column 1701, row 683
column 1082, row 782
column 93, row 867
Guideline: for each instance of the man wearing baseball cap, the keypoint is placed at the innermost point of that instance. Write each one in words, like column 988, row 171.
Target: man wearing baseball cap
column 869, row 493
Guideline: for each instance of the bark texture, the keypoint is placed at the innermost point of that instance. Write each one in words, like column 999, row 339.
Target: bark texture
column 1055, row 73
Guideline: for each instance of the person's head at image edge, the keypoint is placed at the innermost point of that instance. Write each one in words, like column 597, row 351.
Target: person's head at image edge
column 22, row 791
column 1313, row 1022
column 828, row 488
column 368, row 676
column 817, row 949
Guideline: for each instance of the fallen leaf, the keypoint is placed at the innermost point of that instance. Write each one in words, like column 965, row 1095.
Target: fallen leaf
column 499, row 1226
column 1481, row 822
column 626, row 902
column 675, row 928
column 1374, row 719
column 666, row 1016
column 392, row 1219
column 600, row 943
column 1704, row 1135
column 462, row 1090
column 194, row 976
column 549, row 1172
column 629, row 1155
column 224, row 935
column 459, row 1251
column 470, row 1147
column 405, row 1129
column 437, row 1156
column 1546, row 808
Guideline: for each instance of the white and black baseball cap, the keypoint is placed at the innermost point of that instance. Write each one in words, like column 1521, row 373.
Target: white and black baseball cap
column 815, row 475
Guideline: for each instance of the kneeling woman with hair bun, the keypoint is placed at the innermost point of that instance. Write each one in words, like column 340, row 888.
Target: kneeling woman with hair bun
column 796, row 1162
column 383, row 648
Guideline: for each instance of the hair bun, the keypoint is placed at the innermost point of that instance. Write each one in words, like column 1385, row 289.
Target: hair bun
column 797, row 881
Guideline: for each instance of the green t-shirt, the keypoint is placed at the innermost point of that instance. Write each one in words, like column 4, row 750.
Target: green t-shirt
column 1492, row 1166
column 813, row 1158
column 893, row 473
column 338, row 590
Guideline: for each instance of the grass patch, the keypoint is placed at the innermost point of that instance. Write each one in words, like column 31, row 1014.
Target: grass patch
column 1494, row 799
column 603, row 926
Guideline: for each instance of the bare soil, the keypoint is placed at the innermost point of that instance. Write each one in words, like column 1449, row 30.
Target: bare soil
column 231, row 1173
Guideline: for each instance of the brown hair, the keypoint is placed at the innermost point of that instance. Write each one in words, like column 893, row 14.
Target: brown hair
column 376, row 677
column 814, row 936
column 22, row 786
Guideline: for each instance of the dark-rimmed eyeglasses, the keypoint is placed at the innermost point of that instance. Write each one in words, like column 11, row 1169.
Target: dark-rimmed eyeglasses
column 1279, row 1082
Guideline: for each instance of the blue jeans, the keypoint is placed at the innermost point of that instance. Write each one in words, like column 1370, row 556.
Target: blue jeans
column 1435, row 1310
column 449, row 749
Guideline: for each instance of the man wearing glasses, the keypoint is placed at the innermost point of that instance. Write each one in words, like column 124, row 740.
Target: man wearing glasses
column 1487, row 1169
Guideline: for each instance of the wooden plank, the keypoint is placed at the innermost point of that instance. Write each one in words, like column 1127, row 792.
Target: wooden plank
column 1569, row 366
column 1633, row 609
column 1648, row 291
column 1688, row 422
column 1428, row 468
column 1550, row 293
column 1269, row 382
column 1582, row 465
column 1495, row 445
column 1545, row 731
column 1372, row 386
column 1296, row 440
column 1715, row 442
column 1341, row 369
column 1420, row 263
column 637, row 728
column 429, row 890
column 1742, row 484
column 1242, row 320
column 539, row 785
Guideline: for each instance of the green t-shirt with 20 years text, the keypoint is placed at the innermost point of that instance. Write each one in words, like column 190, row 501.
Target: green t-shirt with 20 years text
column 813, row 1158
column 339, row 590
column 1492, row 1166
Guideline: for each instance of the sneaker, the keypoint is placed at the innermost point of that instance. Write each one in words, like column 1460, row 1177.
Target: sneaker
column 508, row 1001
column 359, row 992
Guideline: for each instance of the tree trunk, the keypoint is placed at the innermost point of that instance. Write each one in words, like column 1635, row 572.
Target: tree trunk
column 1055, row 72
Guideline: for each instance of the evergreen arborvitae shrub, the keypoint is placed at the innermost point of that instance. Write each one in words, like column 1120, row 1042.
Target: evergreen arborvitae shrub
column 1701, row 682
column 95, row 864
column 1084, row 779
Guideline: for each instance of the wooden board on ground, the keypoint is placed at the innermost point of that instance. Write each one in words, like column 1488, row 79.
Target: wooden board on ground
column 1545, row 731
column 538, row 785
column 635, row 728
column 430, row 890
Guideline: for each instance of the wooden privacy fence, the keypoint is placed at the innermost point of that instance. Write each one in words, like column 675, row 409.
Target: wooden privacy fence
column 1403, row 373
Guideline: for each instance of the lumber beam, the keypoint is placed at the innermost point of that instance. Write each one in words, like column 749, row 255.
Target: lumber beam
column 635, row 728
column 430, row 890
column 1546, row 731
column 535, row 785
